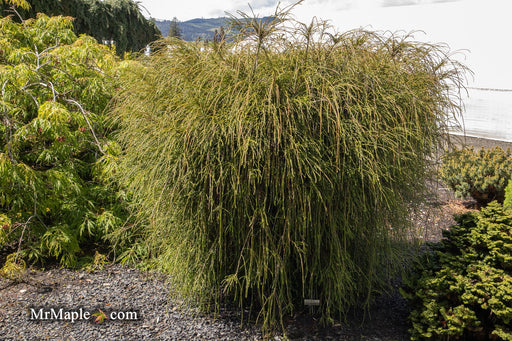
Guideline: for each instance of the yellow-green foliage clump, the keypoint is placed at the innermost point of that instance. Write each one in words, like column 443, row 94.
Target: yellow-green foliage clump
column 481, row 174
column 14, row 267
column 276, row 167
column 54, row 87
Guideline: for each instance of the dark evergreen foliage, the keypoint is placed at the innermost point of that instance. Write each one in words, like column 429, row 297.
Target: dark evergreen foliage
column 463, row 289
column 120, row 21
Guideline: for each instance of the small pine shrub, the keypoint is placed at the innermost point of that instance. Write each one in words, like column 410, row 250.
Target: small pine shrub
column 482, row 174
column 463, row 288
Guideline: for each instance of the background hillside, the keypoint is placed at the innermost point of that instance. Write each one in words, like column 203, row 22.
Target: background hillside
column 194, row 28
column 191, row 29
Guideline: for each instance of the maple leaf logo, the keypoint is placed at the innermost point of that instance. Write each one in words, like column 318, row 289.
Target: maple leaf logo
column 100, row 316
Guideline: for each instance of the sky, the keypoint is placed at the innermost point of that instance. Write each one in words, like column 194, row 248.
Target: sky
column 479, row 30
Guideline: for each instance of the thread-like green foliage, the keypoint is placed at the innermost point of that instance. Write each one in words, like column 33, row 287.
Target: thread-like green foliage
column 54, row 87
column 277, row 167
column 481, row 174
column 464, row 289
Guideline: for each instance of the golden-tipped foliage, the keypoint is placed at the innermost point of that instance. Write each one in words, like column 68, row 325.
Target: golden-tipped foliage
column 482, row 174
column 279, row 168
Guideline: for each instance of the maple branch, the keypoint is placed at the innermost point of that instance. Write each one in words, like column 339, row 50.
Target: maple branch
column 97, row 142
column 8, row 124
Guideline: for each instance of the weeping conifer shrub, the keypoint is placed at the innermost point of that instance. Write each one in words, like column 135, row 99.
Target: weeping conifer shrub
column 277, row 167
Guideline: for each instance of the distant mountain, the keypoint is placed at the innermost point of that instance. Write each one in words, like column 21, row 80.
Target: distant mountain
column 191, row 29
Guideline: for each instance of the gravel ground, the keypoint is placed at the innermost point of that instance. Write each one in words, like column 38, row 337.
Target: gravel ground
column 118, row 289
column 478, row 142
column 121, row 289
column 113, row 289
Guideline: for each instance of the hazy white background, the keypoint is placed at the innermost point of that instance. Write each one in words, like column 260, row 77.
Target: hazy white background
column 480, row 30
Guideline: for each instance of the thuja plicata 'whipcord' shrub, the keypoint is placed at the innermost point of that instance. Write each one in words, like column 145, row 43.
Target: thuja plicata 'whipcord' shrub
column 277, row 166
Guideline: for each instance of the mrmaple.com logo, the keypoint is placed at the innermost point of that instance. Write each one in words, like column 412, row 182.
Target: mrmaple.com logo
column 73, row 315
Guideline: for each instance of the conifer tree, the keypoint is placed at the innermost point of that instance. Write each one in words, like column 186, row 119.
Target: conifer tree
column 174, row 29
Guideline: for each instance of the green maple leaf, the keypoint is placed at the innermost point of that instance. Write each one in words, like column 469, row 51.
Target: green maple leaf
column 100, row 316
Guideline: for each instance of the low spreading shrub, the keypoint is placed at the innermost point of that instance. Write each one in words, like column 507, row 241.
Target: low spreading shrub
column 463, row 288
column 482, row 174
